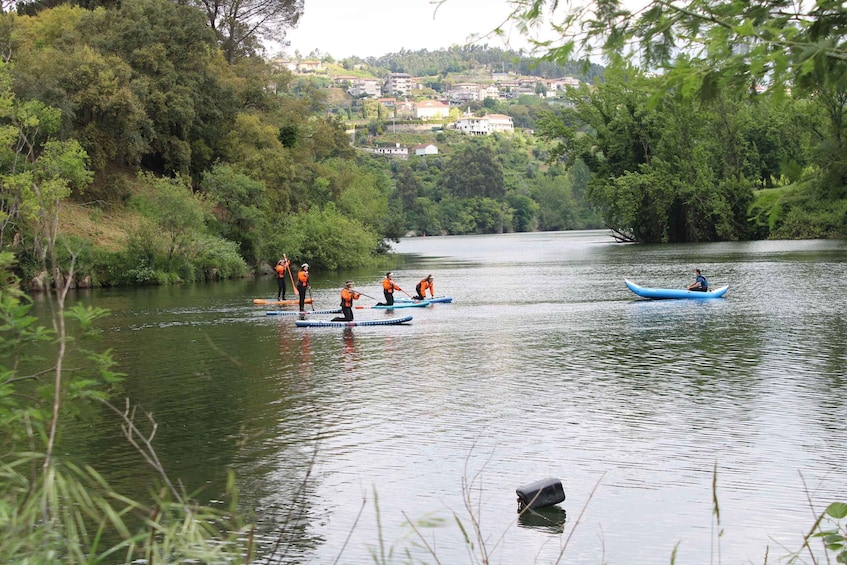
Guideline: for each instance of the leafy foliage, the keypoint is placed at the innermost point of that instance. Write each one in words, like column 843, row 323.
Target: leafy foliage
column 717, row 50
column 325, row 237
column 474, row 172
column 670, row 168
column 240, row 25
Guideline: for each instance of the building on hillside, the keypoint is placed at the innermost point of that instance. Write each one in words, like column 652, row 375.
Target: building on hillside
column 490, row 91
column 484, row 125
column 464, row 92
column 500, row 123
column 397, row 151
column 281, row 63
column 310, row 67
column 397, row 83
column 432, row 110
column 369, row 87
column 426, row 149
column 472, row 125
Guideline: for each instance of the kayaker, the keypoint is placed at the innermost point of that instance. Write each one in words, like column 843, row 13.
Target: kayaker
column 281, row 272
column 303, row 284
column 421, row 287
column 700, row 283
column 348, row 295
column 388, row 288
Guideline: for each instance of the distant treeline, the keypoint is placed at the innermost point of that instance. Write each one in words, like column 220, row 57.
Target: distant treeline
column 466, row 58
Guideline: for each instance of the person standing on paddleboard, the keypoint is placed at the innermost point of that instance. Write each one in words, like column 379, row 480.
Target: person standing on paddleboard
column 348, row 295
column 303, row 284
column 421, row 287
column 281, row 272
column 388, row 288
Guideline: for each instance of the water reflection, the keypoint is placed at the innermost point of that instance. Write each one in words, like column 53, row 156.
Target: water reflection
column 351, row 356
column 550, row 520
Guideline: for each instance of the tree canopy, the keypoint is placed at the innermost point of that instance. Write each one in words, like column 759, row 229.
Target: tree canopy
column 743, row 42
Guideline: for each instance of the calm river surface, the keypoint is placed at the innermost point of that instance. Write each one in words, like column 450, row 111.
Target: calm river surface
column 545, row 365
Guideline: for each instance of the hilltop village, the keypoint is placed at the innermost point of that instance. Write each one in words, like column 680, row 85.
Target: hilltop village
column 465, row 102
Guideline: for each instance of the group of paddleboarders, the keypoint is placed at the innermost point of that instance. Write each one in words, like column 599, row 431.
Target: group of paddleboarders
column 348, row 295
column 389, row 286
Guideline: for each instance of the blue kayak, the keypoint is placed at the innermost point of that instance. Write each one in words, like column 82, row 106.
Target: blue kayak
column 298, row 313
column 440, row 299
column 668, row 293
column 350, row 324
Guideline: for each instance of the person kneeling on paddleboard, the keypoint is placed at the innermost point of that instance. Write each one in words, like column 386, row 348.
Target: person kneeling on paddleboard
column 348, row 295
column 421, row 287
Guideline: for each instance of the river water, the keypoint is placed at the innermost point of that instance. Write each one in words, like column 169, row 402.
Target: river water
column 653, row 414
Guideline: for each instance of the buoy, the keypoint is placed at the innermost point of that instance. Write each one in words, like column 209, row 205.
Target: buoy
column 540, row 494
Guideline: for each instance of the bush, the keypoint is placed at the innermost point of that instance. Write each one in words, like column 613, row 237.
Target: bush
column 325, row 238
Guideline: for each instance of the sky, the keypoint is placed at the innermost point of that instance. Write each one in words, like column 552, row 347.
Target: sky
column 372, row 28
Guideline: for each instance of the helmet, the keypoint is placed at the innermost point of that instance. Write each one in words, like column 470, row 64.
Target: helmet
column 389, row 273
column 304, row 266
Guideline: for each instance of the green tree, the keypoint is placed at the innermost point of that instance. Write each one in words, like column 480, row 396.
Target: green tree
column 707, row 48
column 474, row 171
column 524, row 211
column 37, row 172
column 408, row 186
column 671, row 170
column 742, row 42
column 240, row 25
column 326, row 239
column 178, row 213
column 555, row 201
column 239, row 204
column 171, row 52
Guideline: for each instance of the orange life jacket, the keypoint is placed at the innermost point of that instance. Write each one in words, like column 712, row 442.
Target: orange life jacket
column 303, row 278
column 423, row 285
column 348, row 296
column 280, row 269
column 388, row 285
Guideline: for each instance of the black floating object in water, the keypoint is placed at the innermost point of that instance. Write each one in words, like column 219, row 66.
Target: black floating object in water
column 540, row 494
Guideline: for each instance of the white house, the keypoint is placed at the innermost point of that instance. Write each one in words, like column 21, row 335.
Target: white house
column 310, row 67
column 395, row 150
column 426, row 149
column 431, row 109
column 473, row 125
column 283, row 63
column 500, row 122
column 370, row 87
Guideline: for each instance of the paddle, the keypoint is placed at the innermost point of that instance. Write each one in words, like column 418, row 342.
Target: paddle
column 312, row 303
column 290, row 276
column 363, row 294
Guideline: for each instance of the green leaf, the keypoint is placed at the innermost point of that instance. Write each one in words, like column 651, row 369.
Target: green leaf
column 837, row 510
